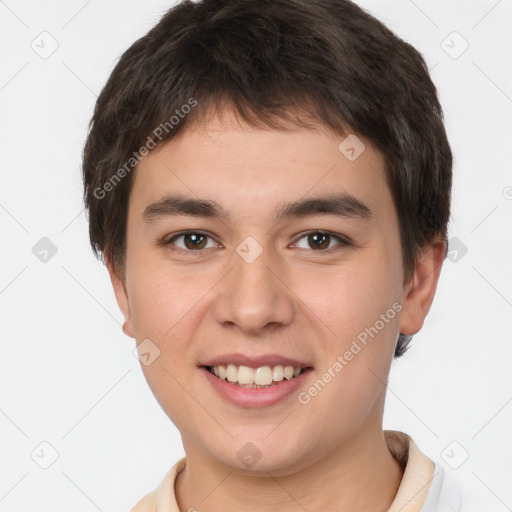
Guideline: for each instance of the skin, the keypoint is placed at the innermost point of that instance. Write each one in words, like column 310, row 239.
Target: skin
column 294, row 299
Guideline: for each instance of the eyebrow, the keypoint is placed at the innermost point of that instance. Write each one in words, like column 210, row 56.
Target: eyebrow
column 341, row 205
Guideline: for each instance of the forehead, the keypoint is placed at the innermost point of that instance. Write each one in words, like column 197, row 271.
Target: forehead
column 246, row 169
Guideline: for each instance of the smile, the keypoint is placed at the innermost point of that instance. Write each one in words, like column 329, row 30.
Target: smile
column 261, row 377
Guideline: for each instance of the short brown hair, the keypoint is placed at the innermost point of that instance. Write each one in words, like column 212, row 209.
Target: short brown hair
column 325, row 61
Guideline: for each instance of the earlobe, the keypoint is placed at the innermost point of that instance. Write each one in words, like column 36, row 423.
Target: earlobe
column 421, row 289
column 119, row 287
column 127, row 330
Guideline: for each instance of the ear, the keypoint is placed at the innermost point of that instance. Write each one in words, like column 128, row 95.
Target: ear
column 421, row 289
column 118, row 283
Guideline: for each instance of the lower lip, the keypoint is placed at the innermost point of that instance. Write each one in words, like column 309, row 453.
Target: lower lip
column 255, row 397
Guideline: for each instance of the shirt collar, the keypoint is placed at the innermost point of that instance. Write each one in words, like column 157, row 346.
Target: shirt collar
column 418, row 472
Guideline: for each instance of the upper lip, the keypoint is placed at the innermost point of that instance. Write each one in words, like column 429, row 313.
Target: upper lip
column 254, row 361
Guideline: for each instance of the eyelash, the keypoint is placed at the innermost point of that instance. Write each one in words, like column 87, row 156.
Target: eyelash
column 343, row 241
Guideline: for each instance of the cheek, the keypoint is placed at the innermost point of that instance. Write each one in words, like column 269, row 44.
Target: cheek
column 165, row 309
column 161, row 299
column 361, row 310
column 354, row 297
column 360, row 304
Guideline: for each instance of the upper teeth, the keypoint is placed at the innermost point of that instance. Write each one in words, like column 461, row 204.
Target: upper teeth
column 262, row 376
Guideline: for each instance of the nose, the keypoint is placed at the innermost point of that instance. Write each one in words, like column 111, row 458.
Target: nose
column 254, row 295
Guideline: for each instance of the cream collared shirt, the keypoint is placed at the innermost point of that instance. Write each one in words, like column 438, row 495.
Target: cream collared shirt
column 425, row 487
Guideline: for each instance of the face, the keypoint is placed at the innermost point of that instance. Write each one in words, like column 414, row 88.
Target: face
column 249, row 251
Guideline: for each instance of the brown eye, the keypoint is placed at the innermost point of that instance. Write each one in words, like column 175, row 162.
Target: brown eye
column 320, row 241
column 194, row 241
column 190, row 242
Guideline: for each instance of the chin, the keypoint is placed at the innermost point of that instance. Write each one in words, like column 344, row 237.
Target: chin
column 259, row 456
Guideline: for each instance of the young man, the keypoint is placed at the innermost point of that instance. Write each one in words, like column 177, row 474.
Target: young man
column 269, row 184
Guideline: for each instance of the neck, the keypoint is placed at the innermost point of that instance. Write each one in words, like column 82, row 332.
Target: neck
column 360, row 475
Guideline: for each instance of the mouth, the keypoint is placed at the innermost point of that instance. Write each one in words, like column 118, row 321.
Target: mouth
column 255, row 381
column 256, row 378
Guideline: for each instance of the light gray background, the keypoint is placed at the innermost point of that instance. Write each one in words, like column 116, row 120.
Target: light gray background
column 68, row 376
